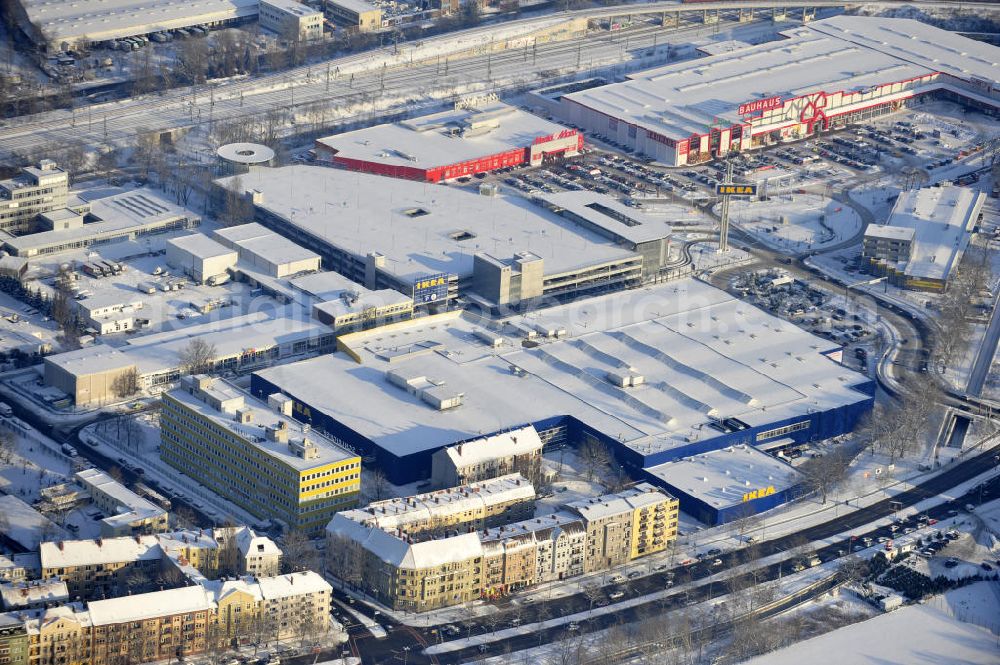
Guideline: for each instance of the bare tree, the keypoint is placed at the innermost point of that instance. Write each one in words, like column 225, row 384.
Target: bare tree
column 378, row 484
column 298, row 553
column 192, row 61
column 594, row 456
column 821, row 474
column 198, row 357
column 126, row 384
column 8, row 446
column 228, row 551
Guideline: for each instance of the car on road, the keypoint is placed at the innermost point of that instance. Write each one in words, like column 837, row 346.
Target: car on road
column 716, row 563
column 616, row 594
column 660, row 566
column 617, row 579
column 634, row 574
column 715, row 551
column 573, row 626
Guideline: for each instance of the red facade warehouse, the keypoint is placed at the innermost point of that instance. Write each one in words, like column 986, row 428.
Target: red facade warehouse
column 453, row 144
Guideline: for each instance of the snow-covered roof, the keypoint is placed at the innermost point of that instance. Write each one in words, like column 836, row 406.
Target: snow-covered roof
column 420, row 228
column 293, row 584
column 132, row 507
column 398, row 513
column 835, row 54
column 129, row 212
column 98, row 551
column 545, row 527
column 201, row 246
column 402, row 554
column 441, row 139
column 261, row 242
column 721, row 478
column 623, row 502
column 200, row 399
column 250, row 543
column 33, row 592
column 609, row 214
column 184, row 600
column 941, row 219
column 701, row 354
column 353, row 302
column 25, row 525
column 90, row 360
column 518, row 441
column 111, row 19
column 887, row 232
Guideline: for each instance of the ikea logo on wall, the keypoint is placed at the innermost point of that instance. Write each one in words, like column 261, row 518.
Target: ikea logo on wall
column 759, row 493
column 429, row 283
column 736, row 190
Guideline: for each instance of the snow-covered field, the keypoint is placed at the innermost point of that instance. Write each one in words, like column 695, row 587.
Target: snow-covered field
column 914, row 635
column 796, row 222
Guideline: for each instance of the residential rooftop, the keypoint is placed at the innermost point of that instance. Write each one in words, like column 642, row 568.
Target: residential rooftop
column 626, row 501
column 398, row 513
column 517, row 441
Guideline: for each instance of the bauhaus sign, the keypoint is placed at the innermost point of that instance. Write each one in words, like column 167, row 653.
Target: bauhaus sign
column 736, row 190
column 759, row 105
column 759, row 493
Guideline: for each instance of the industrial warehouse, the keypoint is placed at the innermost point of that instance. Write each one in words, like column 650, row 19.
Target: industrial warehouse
column 452, row 144
column 439, row 243
column 823, row 76
column 657, row 374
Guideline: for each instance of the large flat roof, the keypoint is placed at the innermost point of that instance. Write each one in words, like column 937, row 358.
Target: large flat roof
column 941, row 219
column 609, row 214
column 703, row 355
column 416, row 225
column 123, row 212
column 443, row 138
column 835, row 54
column 71, row 19
column 262, row 242
column 720, row 478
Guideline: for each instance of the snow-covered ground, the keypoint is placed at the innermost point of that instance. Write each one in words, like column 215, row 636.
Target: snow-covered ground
column 914, row 635
column 796, row 222
column 139, row 447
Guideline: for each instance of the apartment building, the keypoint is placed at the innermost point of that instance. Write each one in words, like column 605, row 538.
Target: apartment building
column 14, row 641
column 256, row 454
column 469, row 507
column 418, row 571
column 127, row 512
column 627, row 525
column 96, row 568
column 517, row 450
column 27, row 594
column 34, row 191
column 93, row 568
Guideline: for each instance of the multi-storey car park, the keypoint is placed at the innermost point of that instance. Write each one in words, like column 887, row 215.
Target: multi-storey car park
column 440, row 243
column 452, row 144
column 657, row 374
column 822, row 76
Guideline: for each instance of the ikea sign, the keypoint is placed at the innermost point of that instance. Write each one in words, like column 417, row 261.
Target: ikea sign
column 736, row 190
column 430, row 289
column 759, row 493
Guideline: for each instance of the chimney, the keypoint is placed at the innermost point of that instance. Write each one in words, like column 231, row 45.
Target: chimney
column 99, row 542
column 61, row 545
column 138, row 539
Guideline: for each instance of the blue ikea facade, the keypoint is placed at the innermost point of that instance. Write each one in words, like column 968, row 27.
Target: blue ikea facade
column 565, row 428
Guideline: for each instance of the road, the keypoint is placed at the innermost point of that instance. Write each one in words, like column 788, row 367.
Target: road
column 299, row 88
column 859, row 522
column 987, row 350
